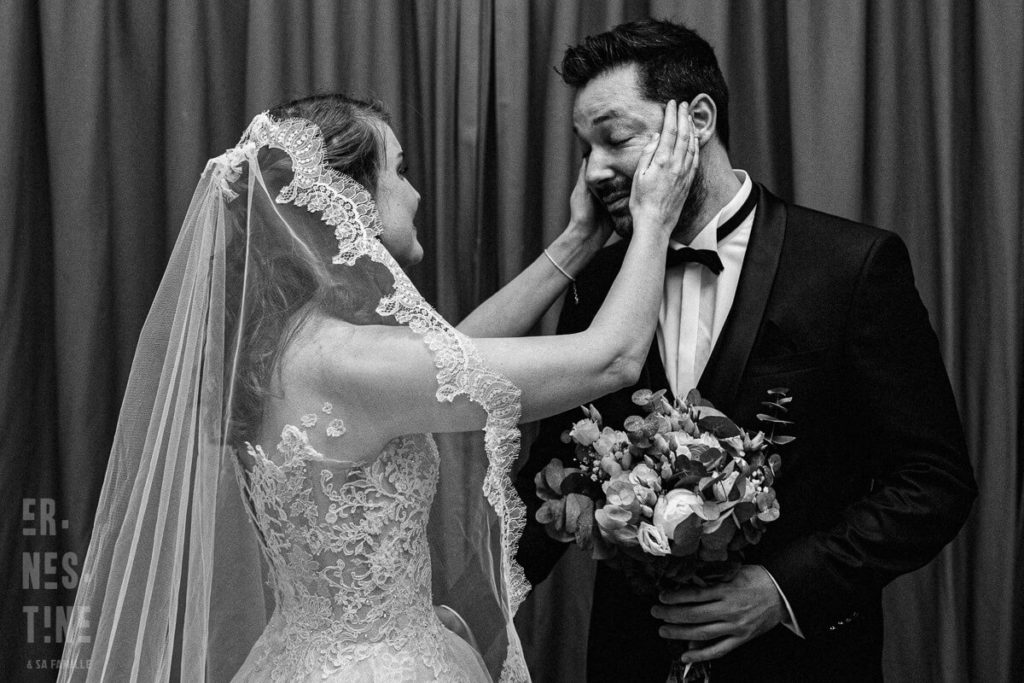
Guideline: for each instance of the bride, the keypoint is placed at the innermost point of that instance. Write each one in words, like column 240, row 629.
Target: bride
column 275, row 505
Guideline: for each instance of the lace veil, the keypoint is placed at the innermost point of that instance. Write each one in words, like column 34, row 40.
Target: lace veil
column 174, row 585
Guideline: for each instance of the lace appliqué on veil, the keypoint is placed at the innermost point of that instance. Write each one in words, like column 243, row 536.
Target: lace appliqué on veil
column 227, row 168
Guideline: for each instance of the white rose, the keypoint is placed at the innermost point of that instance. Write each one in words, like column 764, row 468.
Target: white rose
column 644, row 475
column 709, row 439
column 652, row 540
column 674, row 507
column 680, row 440
column 585, row 432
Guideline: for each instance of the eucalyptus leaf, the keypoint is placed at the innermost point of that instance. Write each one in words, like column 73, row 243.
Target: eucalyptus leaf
column 686, row 536
column 642, row 397
column 739, row 489
column 777, row 406
column 633, row 423
column 554, row 473
column 744, row 511
column 774, row 420
column 720, row 537
column 721, row 426
column 697, row 450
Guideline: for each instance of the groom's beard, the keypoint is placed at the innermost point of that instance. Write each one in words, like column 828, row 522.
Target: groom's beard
column 622, row 220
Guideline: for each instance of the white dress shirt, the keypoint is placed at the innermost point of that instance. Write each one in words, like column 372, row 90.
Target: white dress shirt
column 695, row 304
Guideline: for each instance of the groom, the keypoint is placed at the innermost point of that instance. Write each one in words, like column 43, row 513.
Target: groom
column 877, row 481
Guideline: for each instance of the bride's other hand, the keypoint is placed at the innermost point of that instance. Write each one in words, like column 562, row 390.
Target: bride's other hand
column 665, row 172
column 517, row 307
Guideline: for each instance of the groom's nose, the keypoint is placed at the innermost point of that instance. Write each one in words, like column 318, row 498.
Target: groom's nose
column 599, row 168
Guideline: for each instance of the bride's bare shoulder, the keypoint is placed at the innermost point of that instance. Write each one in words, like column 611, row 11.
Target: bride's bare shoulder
column 329, row 362
column 328, row 348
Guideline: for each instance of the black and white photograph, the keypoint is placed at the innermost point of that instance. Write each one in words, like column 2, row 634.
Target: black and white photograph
column 498, row 341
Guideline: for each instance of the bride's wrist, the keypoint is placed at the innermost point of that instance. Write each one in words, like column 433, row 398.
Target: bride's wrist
column 650, row 235
column 573, row 249
column 581, row 238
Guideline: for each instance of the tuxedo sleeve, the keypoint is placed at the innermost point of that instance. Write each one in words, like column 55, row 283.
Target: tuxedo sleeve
column 902, row 414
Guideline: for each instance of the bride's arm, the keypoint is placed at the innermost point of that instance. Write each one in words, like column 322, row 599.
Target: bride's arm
column 514, row 309
column 388, row 373
column 386, row 378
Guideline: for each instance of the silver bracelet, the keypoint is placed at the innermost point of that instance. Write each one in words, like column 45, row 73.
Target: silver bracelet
column 575, row 294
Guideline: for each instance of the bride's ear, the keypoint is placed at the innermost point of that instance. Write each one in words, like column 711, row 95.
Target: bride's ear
column 704, row 114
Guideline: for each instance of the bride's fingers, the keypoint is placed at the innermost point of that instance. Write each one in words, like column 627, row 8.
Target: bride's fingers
column 687, row 145
column 686, row 132
column 669, row 133
column 647, row 155
column 690, row 160
column 692, row 153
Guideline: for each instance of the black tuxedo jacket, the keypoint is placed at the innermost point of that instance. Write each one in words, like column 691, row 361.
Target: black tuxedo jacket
column 876, row 483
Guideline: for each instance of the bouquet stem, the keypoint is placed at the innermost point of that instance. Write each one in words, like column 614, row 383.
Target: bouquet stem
column 694, row 672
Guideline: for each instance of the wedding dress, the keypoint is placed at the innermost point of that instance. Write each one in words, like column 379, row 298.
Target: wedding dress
column 226, row 547
column 350, row 567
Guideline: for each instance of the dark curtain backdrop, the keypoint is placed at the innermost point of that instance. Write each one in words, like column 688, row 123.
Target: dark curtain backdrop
column 907, row 115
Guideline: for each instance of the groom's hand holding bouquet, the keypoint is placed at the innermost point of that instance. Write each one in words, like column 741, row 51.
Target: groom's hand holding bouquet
column 673, row 499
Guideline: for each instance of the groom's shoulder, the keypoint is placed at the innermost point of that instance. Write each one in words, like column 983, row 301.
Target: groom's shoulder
column 826, row 234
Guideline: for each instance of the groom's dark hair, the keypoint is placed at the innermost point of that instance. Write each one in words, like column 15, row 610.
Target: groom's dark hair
column 675, row 63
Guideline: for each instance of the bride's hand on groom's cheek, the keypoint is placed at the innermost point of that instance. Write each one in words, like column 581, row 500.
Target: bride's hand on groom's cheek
column 720, row 618
column 586, row 212
column 665, row 171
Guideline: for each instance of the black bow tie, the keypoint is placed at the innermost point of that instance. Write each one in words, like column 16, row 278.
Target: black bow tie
column 709, row 257
column 706, row 257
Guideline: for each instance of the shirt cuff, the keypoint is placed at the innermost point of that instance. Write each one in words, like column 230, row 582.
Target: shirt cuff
column 790, row 619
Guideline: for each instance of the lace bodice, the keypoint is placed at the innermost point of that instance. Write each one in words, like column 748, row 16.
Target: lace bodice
column 349, row 562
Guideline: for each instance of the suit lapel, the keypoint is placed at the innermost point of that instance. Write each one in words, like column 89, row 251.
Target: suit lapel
column 721, row 377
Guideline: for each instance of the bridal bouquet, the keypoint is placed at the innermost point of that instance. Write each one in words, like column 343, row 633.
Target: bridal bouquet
column 673, row 497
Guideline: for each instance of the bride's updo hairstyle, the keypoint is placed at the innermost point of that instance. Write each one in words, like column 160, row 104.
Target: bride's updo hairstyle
column 290, row 278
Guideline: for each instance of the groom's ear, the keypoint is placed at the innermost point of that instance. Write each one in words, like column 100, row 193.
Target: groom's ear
column 705, row 117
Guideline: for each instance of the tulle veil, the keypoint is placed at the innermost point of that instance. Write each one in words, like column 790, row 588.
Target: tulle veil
column 173, row 585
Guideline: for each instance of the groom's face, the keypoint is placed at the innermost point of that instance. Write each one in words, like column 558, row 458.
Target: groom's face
column 614, row 122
